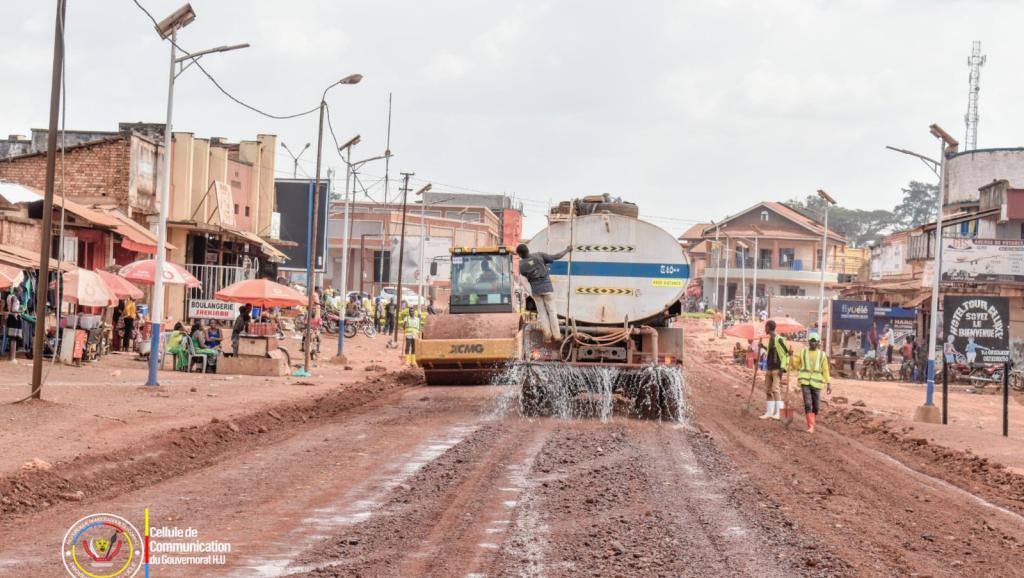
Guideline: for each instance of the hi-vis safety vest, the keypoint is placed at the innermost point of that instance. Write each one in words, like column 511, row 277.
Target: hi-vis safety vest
column 812, row 377
column 780, row 351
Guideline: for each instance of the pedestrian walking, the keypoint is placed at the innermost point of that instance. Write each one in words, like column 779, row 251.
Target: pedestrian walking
column 776, row 363
column 389, row 317
column 813, row 376
column 716, row 322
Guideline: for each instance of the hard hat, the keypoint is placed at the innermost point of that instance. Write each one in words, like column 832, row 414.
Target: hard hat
column 813, row 337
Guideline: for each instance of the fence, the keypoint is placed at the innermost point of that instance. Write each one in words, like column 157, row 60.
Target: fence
column 213, row 279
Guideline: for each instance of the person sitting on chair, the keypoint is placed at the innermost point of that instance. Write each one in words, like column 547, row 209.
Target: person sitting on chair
column 199, row 342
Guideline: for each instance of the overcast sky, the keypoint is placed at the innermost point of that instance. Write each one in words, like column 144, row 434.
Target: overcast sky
column 693, row 109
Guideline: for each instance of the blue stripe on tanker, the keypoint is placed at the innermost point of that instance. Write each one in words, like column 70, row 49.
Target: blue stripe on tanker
column 605, row 269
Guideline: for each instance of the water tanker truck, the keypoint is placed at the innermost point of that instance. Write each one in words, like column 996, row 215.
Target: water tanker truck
column 616, row 292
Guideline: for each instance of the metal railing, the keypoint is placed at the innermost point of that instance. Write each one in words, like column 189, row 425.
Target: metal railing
column 213, row 279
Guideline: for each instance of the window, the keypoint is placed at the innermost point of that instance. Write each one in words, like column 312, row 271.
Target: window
column 764, row 215
column 786, row 258
column 790, row 291
column 479, row 281
column 817, row 255
column 236, row 208
column 765, row 259
column 246, row 211
column 1022, row 230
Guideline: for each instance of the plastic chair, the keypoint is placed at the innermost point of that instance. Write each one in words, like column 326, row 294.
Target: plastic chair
column 190, row 352
column 163, row 350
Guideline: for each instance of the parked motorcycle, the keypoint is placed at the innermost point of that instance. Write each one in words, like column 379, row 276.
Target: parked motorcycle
column 875, row 369
column 362, row 323
column 982, row 375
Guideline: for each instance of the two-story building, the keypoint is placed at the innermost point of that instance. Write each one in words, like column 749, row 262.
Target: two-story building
column 782, row 244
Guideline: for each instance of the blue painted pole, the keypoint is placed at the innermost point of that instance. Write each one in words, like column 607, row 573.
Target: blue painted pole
column 930, row 392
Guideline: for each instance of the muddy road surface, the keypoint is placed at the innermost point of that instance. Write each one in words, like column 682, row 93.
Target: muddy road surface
column 451, row 481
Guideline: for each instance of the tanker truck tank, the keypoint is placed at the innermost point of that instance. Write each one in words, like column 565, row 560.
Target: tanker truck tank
column 620, row 269
column 616, row 293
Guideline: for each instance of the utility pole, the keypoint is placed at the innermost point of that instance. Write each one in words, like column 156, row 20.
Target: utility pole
column 401, row 254
column 718, row 265
column 43, row 284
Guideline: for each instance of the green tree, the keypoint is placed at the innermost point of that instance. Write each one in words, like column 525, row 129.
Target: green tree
column 918, row 205
column 859, row 226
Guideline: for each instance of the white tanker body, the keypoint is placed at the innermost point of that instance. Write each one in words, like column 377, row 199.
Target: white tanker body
column 621, row 270
column 616, row 294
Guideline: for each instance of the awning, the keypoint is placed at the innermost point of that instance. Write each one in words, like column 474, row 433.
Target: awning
column 28, row 259
column 135, row 237
column 269, row 250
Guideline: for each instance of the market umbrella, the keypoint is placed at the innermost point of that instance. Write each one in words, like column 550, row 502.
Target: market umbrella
column 87, row 289
column 749, row 330
column 10, row 276
column 261, row 293
column 119, row 285
column 145, row 272
column 785, row 325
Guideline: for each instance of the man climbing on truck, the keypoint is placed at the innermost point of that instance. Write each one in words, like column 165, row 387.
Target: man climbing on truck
column 534, row 266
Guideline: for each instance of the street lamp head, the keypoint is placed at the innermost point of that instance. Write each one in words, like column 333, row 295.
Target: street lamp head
column 826, row 197
column 757, row 230
column 425, row 188
column 305, row 147
column 180, row 18
column 351, row 79
column 937, row 132
column 351, row 143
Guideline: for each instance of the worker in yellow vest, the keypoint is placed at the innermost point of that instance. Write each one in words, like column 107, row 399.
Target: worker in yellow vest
column 776, row 364
column 411, row 320
column 813, row 376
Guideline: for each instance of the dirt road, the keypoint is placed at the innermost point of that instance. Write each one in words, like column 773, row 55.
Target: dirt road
column 401, row 480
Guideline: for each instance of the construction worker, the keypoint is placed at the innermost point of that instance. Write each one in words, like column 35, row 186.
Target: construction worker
column 411, row 321
column 813, row 367
column 776, row 364
column 534, row 266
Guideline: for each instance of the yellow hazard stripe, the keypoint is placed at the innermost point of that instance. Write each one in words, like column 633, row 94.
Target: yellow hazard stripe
column 603, row 291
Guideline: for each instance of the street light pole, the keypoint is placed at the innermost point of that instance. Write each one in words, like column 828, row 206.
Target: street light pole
column 929, row 412
column 350, row 79
column 753, row 297
column 718, row 265
column 823, row 265
column 168, row 28
column 295, row 158
column 347, row 147
column 423, row 239
column 725, row 285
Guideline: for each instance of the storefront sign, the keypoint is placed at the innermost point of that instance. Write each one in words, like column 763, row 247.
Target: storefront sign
column 977, row 328
column 902, row 321
column 212, row 309
column 853, row 315
column 983, row 260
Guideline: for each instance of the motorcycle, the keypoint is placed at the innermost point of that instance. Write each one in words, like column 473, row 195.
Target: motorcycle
column 876, row 369
column 982, row 375
column 364, row 323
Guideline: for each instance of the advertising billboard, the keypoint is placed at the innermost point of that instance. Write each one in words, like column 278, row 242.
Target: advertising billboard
column 293, row 204
column 852, row 315
column 976, row 329
column 982, row 260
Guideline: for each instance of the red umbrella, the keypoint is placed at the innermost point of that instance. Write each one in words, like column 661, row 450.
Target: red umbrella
column 119, row 285
column 261, row 293
column 10, row 276
column 785, row 325
column 746, row 330
column 87, row 289
column 145, row 272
